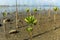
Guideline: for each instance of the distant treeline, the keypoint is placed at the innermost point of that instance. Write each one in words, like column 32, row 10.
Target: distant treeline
column 27, row 5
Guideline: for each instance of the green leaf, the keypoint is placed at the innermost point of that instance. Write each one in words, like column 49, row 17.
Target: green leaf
column 27, row 9
column 35, row 21
column 55, row 8
column 4, row 14
column 26, row 20
column 30, row 19
column 35, row 9
column 29, row 29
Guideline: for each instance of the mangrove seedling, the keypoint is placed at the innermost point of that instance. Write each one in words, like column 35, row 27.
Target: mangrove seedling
column 35, row 11
column 55, row 9
column 28, row 11
column 4, row 14
column 4, row 21
column 29, row 30
column 30, row 20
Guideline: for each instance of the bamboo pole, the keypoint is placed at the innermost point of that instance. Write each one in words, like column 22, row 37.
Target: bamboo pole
column 30, row 33
column 55, row 17
column 4, row 27
column 28, row 12
column 16, row 15
column 49, row 13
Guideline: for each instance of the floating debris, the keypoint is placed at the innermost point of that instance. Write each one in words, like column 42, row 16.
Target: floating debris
column 4, row 20
column 13, row 31
column 11, row 22
column 8, row 13
column 25, row 39
column 8, row 20
column 1, row 25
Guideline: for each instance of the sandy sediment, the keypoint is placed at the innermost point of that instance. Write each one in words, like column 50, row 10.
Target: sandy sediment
column 45, row 29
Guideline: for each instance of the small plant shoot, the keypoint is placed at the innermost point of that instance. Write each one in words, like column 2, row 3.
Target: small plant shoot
column 31, row 20
column 35, row 9
column 27, row 10
column 4, row 14
column 29, row 29
column 55, row 8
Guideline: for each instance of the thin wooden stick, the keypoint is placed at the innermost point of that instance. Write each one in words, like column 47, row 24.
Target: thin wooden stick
column 55, row 17
column 30, row 35
column 4, row 27
column 16, row 15
column 28, row 13
column 49, row 13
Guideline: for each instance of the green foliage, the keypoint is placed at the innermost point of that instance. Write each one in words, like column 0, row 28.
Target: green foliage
column 35, row 9
column 4, row 14
column 55, row 8
column 31, row 20
column 27, row 10
column 29, row 29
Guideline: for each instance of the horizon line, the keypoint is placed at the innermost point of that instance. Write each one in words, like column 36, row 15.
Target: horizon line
column 28, row 5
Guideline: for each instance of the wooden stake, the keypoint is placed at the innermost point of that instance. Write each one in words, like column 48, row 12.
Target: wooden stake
column 49, row 13
column 55, row 17
column 30, row 35
column 4, row 27
column 16, row 15
column 16, row 21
